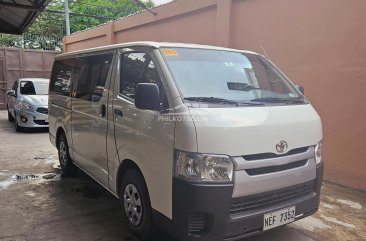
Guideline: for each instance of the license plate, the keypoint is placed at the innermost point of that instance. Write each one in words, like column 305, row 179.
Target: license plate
column 278, row 218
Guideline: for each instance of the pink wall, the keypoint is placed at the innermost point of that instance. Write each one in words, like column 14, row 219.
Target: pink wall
column 187, row 28
column 318, row 44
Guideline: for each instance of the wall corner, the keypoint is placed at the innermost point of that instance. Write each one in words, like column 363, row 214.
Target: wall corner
column 110, row 33
column 223, row 22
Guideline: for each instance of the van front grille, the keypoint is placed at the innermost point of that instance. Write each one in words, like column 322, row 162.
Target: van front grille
column 269, row 199
column 262, row 156
column 279, row 168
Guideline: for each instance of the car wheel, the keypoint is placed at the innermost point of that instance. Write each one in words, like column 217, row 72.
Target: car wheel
column 136, row 204
column 10, row 116
column 66, row 164
column 17, row 127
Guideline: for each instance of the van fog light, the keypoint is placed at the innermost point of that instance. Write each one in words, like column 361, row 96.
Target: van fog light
column 196, row 167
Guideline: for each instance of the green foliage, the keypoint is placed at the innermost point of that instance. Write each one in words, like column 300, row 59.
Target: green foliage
column 110, row 10
column 48, row 29
column 50, row 23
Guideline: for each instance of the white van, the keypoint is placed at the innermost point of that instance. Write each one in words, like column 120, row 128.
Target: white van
column 207, row 143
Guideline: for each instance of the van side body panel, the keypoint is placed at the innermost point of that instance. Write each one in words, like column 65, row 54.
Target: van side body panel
column 144, row 138
column 59, row 115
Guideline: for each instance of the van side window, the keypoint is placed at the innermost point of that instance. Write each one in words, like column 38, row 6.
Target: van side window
column 139, row 68
column 61, row 77
column 92, row 72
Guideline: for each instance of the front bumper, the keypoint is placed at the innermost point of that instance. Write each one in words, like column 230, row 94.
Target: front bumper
column 31, row 119
column 204, row 212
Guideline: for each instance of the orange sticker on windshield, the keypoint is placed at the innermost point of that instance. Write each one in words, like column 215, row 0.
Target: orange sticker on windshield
column 170, row 52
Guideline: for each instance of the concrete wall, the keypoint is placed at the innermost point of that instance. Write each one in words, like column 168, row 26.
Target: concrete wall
column 318, row 44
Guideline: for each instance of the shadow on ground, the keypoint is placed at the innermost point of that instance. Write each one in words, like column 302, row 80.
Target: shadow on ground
column 96, row 206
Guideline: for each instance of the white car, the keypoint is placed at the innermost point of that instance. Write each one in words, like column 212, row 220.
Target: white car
column 28, row 103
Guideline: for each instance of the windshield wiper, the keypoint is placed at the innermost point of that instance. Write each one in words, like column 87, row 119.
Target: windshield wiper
column 279, row 100
column 217, row 100
column 211, row 100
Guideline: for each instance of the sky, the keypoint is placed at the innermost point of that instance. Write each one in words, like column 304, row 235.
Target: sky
column 158, row 2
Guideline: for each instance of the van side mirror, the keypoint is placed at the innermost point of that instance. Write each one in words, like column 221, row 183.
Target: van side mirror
column 147, row 96
column 11, row 93
column 301, row 89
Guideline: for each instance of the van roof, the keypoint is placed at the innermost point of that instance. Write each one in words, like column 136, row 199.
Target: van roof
column 151, row 44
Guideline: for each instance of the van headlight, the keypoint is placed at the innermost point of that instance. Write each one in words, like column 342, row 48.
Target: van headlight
column 25, row 106
column 195, row 167
column 318, row 153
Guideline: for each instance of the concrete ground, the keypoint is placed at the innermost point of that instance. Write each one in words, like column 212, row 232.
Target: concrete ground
column 36, row 203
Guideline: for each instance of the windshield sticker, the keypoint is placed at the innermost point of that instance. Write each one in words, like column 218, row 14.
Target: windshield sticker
column 170, row 52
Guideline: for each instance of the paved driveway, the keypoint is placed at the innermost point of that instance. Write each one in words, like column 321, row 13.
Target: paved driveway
column 36, row 203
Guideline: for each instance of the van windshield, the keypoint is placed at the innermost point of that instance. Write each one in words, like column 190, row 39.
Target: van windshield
column 33, row 88
column 228, row 77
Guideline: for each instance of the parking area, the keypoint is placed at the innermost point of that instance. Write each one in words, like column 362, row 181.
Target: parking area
column 37, row 203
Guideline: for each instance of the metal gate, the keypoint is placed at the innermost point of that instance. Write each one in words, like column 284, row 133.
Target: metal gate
column 22, row 63
column 2, row 83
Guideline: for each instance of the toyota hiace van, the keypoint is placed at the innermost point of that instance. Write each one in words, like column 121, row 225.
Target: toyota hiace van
column 208, row 143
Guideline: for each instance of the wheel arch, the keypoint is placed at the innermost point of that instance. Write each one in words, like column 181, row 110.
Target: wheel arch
column 59, row 132
column 126, row 165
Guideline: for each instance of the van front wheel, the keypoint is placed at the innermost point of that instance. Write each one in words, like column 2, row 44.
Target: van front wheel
column 136, row 204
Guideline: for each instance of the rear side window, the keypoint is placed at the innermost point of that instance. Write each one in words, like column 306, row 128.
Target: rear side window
column 61, row 76
column 92, row 72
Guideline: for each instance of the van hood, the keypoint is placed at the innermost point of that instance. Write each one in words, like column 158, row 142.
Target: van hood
column 36, row 100
column 253, row 130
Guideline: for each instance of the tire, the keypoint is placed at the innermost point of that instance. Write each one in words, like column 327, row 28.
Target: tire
column 136, row 211
column 66, row 163
column 17, row 127
column 10, row 117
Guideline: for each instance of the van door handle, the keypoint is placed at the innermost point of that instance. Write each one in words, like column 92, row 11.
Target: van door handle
column 103, row 110
column 118, row 112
